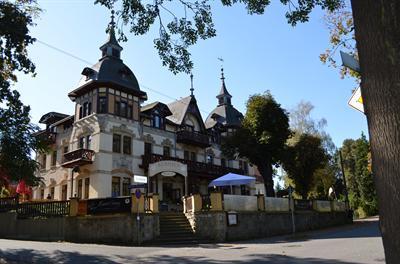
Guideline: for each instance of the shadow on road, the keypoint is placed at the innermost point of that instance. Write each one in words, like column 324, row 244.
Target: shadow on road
column 31, row 256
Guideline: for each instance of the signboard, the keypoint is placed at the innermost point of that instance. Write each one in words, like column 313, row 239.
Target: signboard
column 139, row 185
column 356, row 100
column 349, row 61
column 302, row 204
column 232, row 218
column 109, row 205
column 140, row 179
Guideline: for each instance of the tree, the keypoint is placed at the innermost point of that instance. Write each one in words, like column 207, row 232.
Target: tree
column 16, row 132
column 262, row 137
column 302, row 160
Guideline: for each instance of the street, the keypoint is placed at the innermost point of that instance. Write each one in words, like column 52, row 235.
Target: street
column 358, row 243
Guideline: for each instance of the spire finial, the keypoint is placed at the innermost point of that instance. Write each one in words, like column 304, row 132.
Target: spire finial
column 112, row 23
column 222, row 74
column 191, row 84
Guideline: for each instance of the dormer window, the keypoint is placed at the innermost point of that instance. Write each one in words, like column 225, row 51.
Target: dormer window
column 157, row 120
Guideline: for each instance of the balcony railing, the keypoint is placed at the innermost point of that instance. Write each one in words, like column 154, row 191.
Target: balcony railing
column 204, row 169
column 47, row 136
column 78, row 157
column 192, row 138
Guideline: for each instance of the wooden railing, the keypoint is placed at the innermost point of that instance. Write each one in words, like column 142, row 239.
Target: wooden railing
column 47, row 136
column 192, row 138
column 43, row 209
column 78, row 157
column 8, row 204
column 193, row 166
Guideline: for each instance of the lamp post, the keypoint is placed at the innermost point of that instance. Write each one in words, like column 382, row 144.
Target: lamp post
column 74, row 169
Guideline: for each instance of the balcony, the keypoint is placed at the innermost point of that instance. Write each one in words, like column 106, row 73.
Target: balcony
column 48, row 137
column 194, row 168
column 192, row 138
column 78, row 157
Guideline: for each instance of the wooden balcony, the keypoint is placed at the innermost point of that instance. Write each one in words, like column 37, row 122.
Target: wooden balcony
column 195, row 168
column 78, row 157
column 192, row 138
column 46, row 136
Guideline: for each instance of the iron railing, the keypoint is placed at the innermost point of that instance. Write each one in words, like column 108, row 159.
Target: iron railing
column 43, row 209
column 8, row 204
column 77, row 157
column 192, row 138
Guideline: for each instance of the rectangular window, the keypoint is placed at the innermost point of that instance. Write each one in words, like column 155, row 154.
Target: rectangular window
column 127, row 145
column 246, row 167
column 129, row 109
column 52, row 193
column 65, row 149
column 186, row 155
column 81, row 142
column 147, row 149
column 64, row 192
column 193, row 156
column 103, row 105
column 115, row 187
column 166, row 151
column 124, row 109
column 80, row 112
column 88, row 142
column 126, row 182
column 43, row 163
column 210, row 159
column 85, row 109
column 117, row 143
column 117, row 108
column 87, row 183
column 80, row 188
column 54, row 158
column 42, row 194
column 240, row 164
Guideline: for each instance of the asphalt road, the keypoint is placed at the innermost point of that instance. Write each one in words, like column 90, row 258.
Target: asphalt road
column 357, row 243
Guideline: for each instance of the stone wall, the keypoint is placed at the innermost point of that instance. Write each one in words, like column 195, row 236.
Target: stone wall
column 213, row 225
column 108, row 229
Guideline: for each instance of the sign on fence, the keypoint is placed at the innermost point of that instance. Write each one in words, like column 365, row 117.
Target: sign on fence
column 109, row 205
column 302, row 205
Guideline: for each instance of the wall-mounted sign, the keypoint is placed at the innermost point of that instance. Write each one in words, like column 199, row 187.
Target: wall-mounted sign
column 232, row 218
column 168, row 173
column 356, row 100
column 140, row 179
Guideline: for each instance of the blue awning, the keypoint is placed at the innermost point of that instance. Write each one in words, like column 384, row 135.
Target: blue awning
column 232, row 179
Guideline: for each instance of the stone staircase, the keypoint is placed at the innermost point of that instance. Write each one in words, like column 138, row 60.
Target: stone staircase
column 175, row 229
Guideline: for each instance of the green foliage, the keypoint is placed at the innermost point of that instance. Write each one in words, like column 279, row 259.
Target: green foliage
column 359, row 179
column 302, row 161
column 182, row 23
column 16, row 139
column 341, row 30
column 262, row 137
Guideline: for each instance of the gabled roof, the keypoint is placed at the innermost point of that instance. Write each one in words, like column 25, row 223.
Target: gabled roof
column 179, row 109
column 51, row 118
column 161, row 106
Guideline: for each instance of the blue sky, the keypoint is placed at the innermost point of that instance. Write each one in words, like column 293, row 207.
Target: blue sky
column 260, row 53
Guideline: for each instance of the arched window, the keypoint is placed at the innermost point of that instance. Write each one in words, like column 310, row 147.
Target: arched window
column 157, row 120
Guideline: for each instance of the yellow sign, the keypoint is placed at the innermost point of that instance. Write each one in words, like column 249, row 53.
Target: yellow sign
column 356, row 100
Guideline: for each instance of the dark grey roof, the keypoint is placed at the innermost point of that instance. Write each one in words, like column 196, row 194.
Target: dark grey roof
column 161, row 106
column 223, row 91
column 178, row 109
column 52, row 117
column 227, row 115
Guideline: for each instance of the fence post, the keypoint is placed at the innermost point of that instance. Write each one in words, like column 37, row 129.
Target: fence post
column 137, row 204
column 260, row 202
column 216, row 201
column 154, row 203
column 197, row 203
column 73, row 206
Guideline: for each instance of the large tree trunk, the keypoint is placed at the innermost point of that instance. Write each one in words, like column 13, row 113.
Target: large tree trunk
column 377, row 28
column 266, row 173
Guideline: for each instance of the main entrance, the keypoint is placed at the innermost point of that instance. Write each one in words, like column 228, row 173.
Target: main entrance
column 169, row 179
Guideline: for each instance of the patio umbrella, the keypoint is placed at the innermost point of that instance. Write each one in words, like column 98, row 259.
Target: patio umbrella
column 232, row 179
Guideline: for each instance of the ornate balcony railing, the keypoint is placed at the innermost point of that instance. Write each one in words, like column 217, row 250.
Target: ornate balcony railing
column 202, row 168
column 78, row 157
column 47, row 136
column 192, row 138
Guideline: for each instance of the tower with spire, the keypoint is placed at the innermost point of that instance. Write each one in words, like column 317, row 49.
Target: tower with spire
column 224, row 98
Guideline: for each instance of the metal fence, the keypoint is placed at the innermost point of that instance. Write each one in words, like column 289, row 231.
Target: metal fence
column 8, row 204
column 43, row 209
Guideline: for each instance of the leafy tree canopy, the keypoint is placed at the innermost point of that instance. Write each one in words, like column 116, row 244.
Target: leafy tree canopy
column 182, row 23
column 16, row 139
column 262, row 137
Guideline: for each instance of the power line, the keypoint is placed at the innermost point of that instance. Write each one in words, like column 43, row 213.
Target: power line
column 90, row 64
